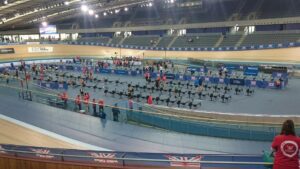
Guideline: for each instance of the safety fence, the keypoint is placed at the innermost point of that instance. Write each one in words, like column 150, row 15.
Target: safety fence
column 226, row 48
column 140, row 113
column 130, row 159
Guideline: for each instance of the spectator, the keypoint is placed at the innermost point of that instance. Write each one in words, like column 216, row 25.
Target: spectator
column 116, row 112
column 149, row 100
column 101, row 107
column 286, row 147
column 94, row 107
column 78, row 102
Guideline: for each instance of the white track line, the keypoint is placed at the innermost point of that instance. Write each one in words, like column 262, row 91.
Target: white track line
column 54, row 135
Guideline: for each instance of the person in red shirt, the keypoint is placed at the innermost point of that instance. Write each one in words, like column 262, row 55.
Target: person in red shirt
column 86, row 102
column 78, row 102
column 149, row 100
column 64, row 97
column 164, row 78
column 286, row 147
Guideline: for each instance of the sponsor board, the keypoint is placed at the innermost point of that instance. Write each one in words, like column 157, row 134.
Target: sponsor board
column 7, row 50
column 47, row 49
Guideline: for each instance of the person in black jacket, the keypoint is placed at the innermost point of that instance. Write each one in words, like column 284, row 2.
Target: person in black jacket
column 116, row 112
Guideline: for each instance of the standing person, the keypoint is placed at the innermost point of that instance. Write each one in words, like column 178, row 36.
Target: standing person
column 149, row 100
column 101, row 107
column 78, row 102
column 86, row 102
column 116, row 112
column 65, row 98
column 130, row 103
column 286, row 147
column 94, row 107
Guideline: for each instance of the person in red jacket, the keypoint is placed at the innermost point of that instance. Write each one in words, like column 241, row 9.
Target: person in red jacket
column 286, row 147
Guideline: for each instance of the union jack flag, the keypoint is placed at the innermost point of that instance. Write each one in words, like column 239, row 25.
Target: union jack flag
column 42, row 153
column 109, row 158
column 181, row 161
column 2, row 150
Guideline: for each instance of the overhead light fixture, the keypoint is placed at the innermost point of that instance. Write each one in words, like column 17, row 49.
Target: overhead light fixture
column 67, row 3
column 84, row 8
column 91, row 12
column 125, row 9
column 5, row 2
column 96, row 16
column 44, row 24
column 150, row 4
column 104, row 13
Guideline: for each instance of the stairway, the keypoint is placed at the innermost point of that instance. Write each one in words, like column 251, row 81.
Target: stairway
column 241, row 40
column 121, row 41
column 219, row 41
column 172, row 42
column 160, row 38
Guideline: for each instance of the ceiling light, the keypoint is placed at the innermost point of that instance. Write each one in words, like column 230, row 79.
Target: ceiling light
column 91, row 12
column 96, row 16
column 104, row 13
column 150, row 4
column 44, row 24
column 5, row 2
column 84, row 8
column 67, row 3
column 125, row 9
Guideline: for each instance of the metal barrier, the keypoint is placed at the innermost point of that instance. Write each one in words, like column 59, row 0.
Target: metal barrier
column 127, row 159
column 153, row 117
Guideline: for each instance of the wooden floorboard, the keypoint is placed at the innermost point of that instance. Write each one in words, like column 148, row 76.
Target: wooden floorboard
column 12, row 133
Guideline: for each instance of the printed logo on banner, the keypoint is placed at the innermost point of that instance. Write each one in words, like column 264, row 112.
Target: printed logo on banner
column 207, row 79
column 108, row 158
column 279, row 74
column 2, row 150
column 181, row 161
column 271, row 84
column 253, row 83
column 129, row 72
column 43, row 153
column 60, row 85
column 47, row 84
column 221, row 80
column 193, row 78
column 180, row 77
column 112, row 71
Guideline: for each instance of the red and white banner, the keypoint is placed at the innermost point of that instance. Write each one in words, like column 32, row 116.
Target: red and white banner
column 182, row 161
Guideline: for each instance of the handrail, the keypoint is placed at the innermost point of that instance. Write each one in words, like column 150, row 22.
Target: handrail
column 148, row 159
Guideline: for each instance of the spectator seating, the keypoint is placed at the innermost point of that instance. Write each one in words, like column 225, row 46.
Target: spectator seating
column 141, row 40
column 200, row 40
column 260, row 38
column 230, row 40
column 165, row 41
column 116, row 40
column 94, row 39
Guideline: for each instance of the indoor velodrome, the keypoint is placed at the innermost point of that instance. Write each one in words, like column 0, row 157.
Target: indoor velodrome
column 94, row 84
